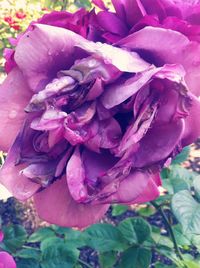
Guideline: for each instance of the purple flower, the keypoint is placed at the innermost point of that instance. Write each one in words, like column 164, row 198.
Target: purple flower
column 92, row 111
column 6, row 260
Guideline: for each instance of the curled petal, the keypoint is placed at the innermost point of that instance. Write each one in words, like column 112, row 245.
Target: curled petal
column 55, row 205
column 168, row 46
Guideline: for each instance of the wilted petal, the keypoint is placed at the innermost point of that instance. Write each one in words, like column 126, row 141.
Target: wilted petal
column 128, row 191
column 14, row 96
column 56, row 205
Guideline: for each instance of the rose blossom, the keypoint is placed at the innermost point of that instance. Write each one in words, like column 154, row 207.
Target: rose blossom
column 6, row 260
column 95, row 105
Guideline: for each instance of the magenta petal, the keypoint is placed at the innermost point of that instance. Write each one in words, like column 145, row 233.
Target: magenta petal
column 159, row 142
column 6, row 260
column 56, row 52
column 55, row 205
column 1, row 235
column 111, row 23
column 59, row 49
column 97, row 164
column 75, row 174
column 131, row 10
column 151, row 38
column 150, row 193
column 131, row 189
column 14, row 96
column 118, row 92
column 192, row 126
column 168, row 46
column 10, row 176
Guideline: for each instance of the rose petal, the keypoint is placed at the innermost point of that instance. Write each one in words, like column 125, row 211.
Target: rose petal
column 10, row 176
column 58, row 50
column 131, row 10
column 6, row 260
column 150, row 193
column 55, row 205
column 192, row 126
column 169, row 47
column 111, row 23
column 130, row 190
column 14, row 96
column 1, row 236
column 75, row 174
column 56, row 53
column 158, row 143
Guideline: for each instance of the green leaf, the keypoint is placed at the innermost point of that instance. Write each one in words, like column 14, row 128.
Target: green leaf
column 181, row 239
column 107, row 259
column 146, row 211
column 118, row 209
column 26, row 263
column 183, row 156
column 135, row 257
column 191, row 263
column 14, row 237
column 187, row 211
column 196, row 184
column 83, row 3
column 59, row 255
column 104, row 237
column 28, row 253
column 41, row 234
column 72, row 236
column 161, row 240
column 49, row 242
column 135, row 230
column 163, row 199
column 161, row 265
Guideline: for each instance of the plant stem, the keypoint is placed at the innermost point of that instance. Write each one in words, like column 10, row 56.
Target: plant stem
column 85, row 263
column 64, row 5
column 170, row 230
